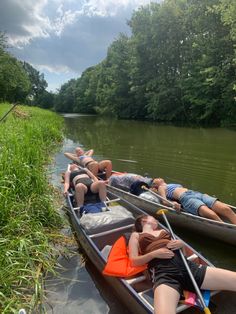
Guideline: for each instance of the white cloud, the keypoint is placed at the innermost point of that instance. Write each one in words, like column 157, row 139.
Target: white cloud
column 64, row 37
column 29, row 19
column 57, row 69
column 109, row 7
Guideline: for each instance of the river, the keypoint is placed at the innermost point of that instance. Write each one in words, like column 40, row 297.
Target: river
column 201, row 159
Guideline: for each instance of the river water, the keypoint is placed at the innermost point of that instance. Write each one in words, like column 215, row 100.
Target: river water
column 200, row 159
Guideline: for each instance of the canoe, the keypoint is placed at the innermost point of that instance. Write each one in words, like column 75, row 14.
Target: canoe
column 96, row 234
column 225, row 232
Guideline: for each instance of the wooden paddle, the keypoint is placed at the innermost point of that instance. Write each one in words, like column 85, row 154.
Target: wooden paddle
column 205, row 308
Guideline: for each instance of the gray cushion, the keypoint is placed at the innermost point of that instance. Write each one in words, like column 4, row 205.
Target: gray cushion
column 116, row 217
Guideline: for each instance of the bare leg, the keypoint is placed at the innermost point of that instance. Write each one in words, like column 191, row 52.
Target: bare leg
column 106, row 165
column 80, row 191
column 165, row 300
column 225, row 211
column 206, row 212
column 100, row 188
column 219, row 279
column 93, row 167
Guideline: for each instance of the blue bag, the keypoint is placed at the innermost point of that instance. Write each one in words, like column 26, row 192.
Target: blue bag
column 92, row 208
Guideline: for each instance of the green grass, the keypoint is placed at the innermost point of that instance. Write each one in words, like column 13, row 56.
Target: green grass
column 28, row 220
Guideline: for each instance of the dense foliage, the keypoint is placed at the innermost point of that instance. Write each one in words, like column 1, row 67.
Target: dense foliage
column 28, row 220
column 177, row 66
column 20, row 82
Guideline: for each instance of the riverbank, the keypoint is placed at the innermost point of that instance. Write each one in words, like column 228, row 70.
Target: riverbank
column 29, row 223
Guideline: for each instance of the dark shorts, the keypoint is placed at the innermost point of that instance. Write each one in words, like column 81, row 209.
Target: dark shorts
column 174, row 274
column 87, row 182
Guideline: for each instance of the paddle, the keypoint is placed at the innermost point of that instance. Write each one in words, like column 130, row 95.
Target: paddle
column 205, row 308
column 7, row 113
column 159, row 196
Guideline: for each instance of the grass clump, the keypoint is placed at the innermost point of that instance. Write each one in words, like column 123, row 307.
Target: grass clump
column 28, row 220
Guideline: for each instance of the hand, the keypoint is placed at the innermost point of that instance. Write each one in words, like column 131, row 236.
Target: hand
column 177, row 207
column 163, row 253
column 65, row 193
column 175, row 245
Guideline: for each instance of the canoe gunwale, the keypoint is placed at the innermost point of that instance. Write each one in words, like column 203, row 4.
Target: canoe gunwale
column 225, row 232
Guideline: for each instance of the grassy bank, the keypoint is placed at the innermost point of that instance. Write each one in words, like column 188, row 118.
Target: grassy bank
column 28, row 220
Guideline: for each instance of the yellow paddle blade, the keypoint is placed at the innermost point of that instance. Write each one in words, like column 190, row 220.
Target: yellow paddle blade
column 207, row 311
column 161, row 211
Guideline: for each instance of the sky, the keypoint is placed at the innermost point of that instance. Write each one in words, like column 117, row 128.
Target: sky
column 61, row 38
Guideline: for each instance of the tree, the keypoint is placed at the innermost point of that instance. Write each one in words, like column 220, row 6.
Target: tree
column 14, row 82
column 65, row 99
column 38, row 83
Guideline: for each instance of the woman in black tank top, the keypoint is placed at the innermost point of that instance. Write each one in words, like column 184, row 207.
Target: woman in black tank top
column 83, row 182
column 154, row 247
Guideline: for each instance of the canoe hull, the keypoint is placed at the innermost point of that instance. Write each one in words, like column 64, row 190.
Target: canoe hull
column 221, row 231
column 92, row 244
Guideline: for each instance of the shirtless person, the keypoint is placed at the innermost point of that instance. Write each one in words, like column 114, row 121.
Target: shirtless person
column 194, row 202
column 85, row 159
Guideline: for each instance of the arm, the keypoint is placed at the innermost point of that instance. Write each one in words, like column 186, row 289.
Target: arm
column 162, row 193
column 89, row 153
column 66, row 183
column 71, row 156
column 138, row 260
column 175, row 244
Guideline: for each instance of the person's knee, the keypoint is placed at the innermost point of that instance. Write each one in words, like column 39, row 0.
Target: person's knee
column 109, row 163
column 102, row 184
column 80, row 187
column 226, row 211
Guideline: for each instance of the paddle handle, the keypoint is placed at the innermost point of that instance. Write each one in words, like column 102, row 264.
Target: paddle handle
column 206, row 309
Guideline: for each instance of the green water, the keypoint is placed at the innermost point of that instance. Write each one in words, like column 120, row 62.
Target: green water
column 201, row 159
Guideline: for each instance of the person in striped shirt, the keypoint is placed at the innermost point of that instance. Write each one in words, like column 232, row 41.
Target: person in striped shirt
column 194, row 202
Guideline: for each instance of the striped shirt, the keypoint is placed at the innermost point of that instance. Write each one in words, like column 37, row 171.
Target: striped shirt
column 170, row 190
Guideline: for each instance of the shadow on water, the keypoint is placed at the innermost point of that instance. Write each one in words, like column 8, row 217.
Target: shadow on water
column 79, row 288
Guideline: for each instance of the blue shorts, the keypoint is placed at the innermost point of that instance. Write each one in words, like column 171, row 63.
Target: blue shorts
column 191, row 201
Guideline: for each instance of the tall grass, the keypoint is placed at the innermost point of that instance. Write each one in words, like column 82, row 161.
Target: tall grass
column 28, row 220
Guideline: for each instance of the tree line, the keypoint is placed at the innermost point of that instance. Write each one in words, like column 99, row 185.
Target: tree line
column 20, row 81
column 178, row 65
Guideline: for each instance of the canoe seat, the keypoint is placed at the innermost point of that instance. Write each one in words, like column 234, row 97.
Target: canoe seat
column 105, row 251
column 137, row 279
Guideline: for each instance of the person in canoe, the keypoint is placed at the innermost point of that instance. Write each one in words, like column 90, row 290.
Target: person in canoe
column 126, row 180
column 85, row 159
column 153, row 246
column 83, row 181
column 194, row 202
column 135, row 184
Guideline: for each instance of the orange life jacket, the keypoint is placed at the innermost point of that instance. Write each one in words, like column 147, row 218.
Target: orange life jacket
column 118, row 262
